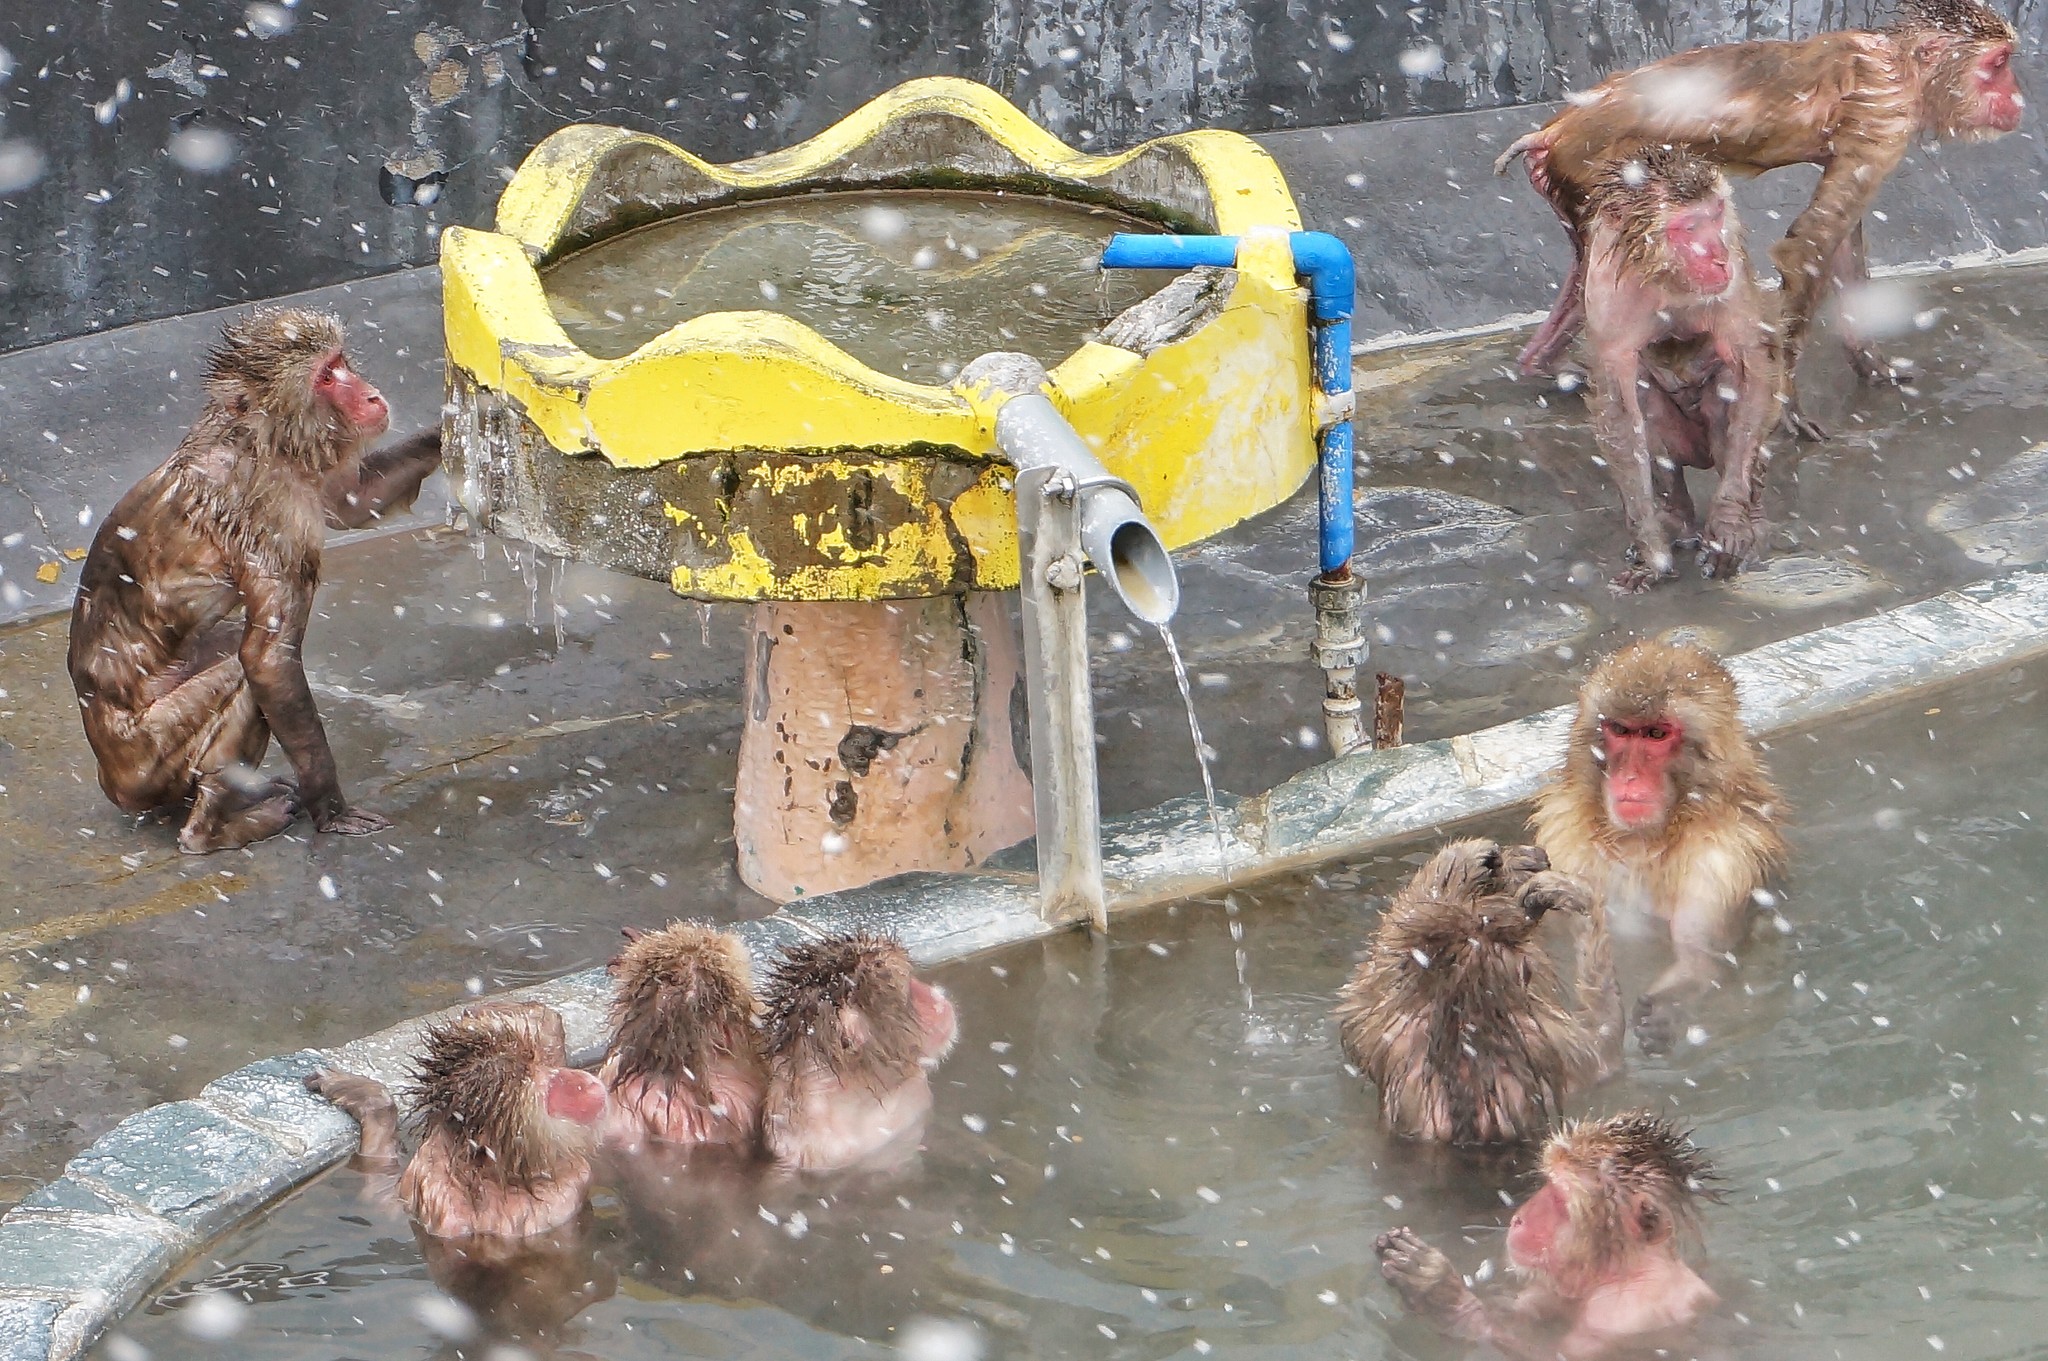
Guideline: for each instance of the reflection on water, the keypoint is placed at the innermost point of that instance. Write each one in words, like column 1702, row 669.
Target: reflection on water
column 912, row 284
column 1114, row 1171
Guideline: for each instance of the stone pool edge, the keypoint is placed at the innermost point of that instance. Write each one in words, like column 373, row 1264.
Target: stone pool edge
column 80, row 1252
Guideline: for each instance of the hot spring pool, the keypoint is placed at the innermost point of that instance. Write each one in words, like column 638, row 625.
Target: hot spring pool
column 1124, row 1164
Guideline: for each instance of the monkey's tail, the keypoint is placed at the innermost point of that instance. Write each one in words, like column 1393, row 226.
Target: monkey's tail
column 1521, row 146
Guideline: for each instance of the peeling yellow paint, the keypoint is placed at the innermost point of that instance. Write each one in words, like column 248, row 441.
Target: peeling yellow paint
column 1211, row 429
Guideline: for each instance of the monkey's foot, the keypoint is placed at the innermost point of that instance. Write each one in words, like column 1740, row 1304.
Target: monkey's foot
column 355, row 822
column 1656, row 1027
column 209, row 829
column 1636, row 580
column 1875, row 370
column 1800, row 426
column 1428, row 1284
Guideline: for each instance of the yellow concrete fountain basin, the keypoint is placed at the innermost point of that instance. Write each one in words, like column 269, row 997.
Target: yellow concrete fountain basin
column 742, row 456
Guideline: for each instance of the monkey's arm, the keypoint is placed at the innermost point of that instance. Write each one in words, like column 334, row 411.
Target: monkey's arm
column 1707, row 923
column 1599, row 992
column 1432, row 1288
column 370, row 1103
column 387, row 480
column 1734, row 518
column 272, row 662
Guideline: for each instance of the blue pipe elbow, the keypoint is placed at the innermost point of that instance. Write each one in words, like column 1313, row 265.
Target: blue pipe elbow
column 1332, row 282
column 1326, row 263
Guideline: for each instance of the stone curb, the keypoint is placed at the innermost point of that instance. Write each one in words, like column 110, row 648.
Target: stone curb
column 80, row 1252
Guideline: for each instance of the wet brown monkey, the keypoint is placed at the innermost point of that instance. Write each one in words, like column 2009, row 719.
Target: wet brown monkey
column 506, row 1127
column 685, row 1064
column 1852, row 103
column 852, row 1034
column 1679, row 357
column 1456, row 1013
column 192, row 607
column 1664, row 809
column 1600, row 1248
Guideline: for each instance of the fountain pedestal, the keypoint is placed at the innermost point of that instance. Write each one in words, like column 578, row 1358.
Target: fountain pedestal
column 880, row 738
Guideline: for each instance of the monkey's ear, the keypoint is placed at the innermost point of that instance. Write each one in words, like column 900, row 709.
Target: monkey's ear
column 1932, row 45
column 1646, row 1217
column 854, row 1027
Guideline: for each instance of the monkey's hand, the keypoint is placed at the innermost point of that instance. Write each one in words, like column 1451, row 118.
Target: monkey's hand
column 1655, row 1024
column 1729, row 539
column 1428, row 1284
column 1519, row 863
column 369, row 1102
column 351, row 822
column 1552, row 891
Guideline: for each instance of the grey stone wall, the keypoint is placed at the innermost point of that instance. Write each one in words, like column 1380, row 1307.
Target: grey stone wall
column 159, row 158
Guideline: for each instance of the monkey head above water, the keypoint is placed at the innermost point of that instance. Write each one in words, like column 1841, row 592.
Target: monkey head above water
column 1456, row 1013
column 188, row 632
column 1599, row 1247
column 851, row 1036
column 685, row 1064
column 1664, row 809
column 506, row 1127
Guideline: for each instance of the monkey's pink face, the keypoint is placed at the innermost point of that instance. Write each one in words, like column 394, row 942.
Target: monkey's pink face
column 354, row 400
column 1699, row 244
column 572, row 1094
column 1638, row 758
column 935, row 1018
column 1536, row 1227
column 1998, row 88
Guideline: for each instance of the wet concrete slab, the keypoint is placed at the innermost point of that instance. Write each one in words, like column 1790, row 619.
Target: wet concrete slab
column 556, row 743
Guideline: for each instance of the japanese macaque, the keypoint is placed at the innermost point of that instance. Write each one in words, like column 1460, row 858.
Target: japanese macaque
column 191, row 615
column 1600, row 1247
column 1664, row 809
column 506, row 1127
column 1680, row 361
column 1851, row 103
column 685, row 1065
column 851, row 1037
column 1456, row 1013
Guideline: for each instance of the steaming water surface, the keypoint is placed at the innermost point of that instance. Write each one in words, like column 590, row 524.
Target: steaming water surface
column 913, row 284
column 1114, row 1170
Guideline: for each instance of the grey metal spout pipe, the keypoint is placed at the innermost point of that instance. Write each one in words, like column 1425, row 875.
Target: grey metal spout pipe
column 1071, row 511
column 1115, row 535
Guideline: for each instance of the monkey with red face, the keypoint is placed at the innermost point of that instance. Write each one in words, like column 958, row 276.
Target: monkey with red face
column 1680, row 359
column 1664, row 808
column 1852, row 103
column 190, row 623
column 1599, row 1245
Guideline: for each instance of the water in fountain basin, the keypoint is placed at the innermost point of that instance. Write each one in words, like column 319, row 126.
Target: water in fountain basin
column 910, row 283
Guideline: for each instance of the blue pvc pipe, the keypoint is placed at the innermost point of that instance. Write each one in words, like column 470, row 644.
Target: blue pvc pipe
column 1325, row 262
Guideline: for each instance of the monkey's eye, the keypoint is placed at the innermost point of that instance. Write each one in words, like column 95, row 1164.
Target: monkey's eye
column 1656, row 732
column 1617, row 729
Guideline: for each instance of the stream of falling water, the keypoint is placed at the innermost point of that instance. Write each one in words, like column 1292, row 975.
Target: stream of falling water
column 1253, row 1026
